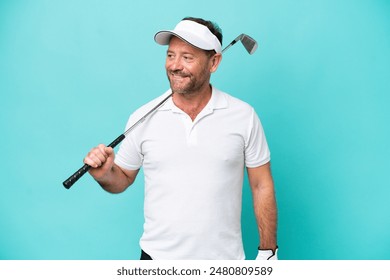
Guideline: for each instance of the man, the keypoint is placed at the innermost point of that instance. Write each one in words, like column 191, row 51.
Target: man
column 193, row 151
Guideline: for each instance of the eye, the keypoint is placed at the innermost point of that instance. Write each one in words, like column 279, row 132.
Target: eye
column 187, row 58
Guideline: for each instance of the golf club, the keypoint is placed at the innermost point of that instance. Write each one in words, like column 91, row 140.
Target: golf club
column 250, row 45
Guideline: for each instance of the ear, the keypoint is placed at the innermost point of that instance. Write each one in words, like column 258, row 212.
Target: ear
column 214, row 62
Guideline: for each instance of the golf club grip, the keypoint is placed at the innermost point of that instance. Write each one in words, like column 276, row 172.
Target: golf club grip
column 77, row 175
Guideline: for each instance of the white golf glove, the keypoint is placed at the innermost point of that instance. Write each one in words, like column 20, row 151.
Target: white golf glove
column 264, row 255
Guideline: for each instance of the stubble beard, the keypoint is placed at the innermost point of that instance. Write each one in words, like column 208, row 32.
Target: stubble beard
column 188, row 86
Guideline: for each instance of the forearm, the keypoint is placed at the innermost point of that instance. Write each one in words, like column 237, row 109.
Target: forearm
column 266, row 216
column 115, row 181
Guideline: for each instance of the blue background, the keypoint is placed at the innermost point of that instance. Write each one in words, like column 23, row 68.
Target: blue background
column 72, row 71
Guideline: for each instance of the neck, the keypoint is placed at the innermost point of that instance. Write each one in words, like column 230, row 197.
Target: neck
column 193, row 103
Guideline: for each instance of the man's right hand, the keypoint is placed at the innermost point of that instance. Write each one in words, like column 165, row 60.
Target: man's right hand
column 101, row 160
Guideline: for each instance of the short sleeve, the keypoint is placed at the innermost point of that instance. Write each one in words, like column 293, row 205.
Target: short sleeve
column 257, row 152
column 129, row 156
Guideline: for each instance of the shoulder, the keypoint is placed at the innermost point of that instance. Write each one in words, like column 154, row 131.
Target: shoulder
column 232, row 102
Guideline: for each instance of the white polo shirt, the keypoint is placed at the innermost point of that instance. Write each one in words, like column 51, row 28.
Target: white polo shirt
column 194, row 175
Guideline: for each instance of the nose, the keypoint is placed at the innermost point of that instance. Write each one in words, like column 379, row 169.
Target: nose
column 174, row 64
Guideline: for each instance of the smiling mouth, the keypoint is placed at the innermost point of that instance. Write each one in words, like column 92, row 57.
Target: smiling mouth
column 178, row 78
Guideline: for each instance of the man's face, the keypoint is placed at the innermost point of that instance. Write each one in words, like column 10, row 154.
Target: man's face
column 188, row 68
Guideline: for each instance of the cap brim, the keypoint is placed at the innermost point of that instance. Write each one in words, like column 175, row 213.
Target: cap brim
column 164, row 37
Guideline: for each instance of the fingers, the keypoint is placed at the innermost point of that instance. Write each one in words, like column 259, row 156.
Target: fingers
column 109, row 151
column 98, row 156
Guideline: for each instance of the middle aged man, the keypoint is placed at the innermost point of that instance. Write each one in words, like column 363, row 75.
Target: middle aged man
column 193, row 151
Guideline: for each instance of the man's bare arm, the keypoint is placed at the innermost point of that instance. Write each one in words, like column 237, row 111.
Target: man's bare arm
column 264, row 202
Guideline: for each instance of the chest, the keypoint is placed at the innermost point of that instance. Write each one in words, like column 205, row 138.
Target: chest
column 176, row 139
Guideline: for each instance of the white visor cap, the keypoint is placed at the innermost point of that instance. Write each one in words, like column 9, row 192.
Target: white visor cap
column 193, row 33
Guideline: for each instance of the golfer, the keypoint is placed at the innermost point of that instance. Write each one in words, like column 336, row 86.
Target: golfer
column 194, row 150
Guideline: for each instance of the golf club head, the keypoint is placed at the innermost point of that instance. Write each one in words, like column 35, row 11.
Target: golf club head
column 248, row 42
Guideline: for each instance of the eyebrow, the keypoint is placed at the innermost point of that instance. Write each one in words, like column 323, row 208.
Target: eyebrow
column 182, row 53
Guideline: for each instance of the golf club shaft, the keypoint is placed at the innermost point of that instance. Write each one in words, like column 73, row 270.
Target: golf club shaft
column 232, row 43
column 84, row 169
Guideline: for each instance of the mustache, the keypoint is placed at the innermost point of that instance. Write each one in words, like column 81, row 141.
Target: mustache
column 178, row 73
